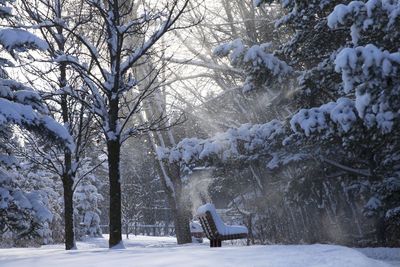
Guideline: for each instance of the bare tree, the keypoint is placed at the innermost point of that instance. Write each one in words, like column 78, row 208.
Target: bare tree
column 106, row 68
column 170, row 174
column 54, row 80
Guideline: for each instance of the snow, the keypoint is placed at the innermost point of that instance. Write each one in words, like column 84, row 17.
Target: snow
column 120, row 245
column 195, row 227
column 362, row 68
column 390, row 255
column 144, row 251
column 59, row 131
column 282, row 158
column 27, row 96
column 373, row 204
column 21, row 200
column 362, row 15
column 24, row 107
column 17, row 39
column 344, row 113
column 393, row 213
column 255, row 59
column 226, row 145
column 341, row 11
column 38, row 205
column 341, row 112
column 222, row 228
column 7, row 160
column 4, row 198
column 5, row 11
column 16, row 113
column 362, row 102
column 67, row 59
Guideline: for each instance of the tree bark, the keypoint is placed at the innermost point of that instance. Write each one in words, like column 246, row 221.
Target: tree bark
column 68, row 183
column 114, row 148
column 180, row 210
column 180, row 213
column 182, row 228
column 68, row 175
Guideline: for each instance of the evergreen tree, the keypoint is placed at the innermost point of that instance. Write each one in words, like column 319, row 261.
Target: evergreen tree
column 342, row 138
column 86, row 205
column 22, row 212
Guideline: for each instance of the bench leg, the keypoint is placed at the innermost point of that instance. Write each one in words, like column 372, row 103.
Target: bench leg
column 215, row 243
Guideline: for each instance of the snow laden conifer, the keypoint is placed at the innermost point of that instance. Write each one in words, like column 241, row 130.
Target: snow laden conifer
column 34, row 177
column 353, row 73
column 346, row 116
column 86, row 204
column 258, row 63
column 23, row 213
column 19, row 104
column 367, row 125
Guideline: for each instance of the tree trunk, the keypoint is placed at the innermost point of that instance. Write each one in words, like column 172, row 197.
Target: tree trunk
column 135, row 228
column 182, row 228
column 180, row 209
column 69, row 212
column 180, row 212
column 250, row 237
column 171, row 172
column 381, row 230
column 68, row 175
column 114, row 148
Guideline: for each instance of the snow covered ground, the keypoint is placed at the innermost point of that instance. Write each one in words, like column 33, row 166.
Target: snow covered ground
column 162, row 251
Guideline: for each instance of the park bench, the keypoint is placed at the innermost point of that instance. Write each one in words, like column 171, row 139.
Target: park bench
column 215, row 229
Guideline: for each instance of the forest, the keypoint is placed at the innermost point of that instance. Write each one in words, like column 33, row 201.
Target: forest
column 122, row 117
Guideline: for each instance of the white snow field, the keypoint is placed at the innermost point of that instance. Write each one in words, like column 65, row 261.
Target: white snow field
column 162, row 251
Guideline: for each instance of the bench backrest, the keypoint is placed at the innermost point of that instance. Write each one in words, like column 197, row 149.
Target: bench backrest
column 208, row 224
